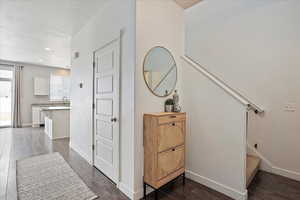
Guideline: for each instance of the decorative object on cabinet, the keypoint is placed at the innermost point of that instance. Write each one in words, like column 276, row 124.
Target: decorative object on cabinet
column 160, row 71
column 176, row 108
column 169, row 105
column 164, row 148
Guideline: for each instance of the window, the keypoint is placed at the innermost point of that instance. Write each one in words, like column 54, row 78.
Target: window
column 6, row 80
column 6, row 74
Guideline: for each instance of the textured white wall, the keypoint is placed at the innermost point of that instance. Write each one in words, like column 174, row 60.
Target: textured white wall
column 216, row 136
column 159, row 23
column 254, row 46
column 104, row 27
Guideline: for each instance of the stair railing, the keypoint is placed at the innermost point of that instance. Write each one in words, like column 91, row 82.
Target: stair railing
column 234, row 93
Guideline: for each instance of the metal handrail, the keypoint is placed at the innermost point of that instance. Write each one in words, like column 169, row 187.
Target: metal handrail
column 234, row 93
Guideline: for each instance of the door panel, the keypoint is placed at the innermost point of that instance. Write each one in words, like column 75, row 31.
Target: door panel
column 104, row 129
column 105, row 152
column 106, row 113
column 104, row 107
column 105, row 84
column 106, row 62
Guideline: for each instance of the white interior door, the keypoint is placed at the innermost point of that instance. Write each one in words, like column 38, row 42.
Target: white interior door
column 106, row 109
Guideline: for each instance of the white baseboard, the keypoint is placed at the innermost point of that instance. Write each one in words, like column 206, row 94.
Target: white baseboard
column 140, row 194
column 268, row 166
column 237, row 195
column 26, row 124
column 81, row 153
column 286, row 173
column 130, row 193
column 202, row 180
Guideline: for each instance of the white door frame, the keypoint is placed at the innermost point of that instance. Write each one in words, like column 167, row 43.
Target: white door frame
column 118, row 39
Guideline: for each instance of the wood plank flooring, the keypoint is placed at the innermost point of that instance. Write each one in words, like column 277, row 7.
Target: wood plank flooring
column 27, row 142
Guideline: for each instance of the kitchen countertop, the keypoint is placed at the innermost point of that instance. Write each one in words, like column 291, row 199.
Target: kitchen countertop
column 50, row 108
column 51, row 103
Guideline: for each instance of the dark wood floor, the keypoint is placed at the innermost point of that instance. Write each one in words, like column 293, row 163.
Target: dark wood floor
column 28, row 142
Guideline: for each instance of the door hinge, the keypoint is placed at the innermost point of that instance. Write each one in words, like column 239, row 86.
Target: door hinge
column 94, row 64
column 93, row 147
column 93, row 106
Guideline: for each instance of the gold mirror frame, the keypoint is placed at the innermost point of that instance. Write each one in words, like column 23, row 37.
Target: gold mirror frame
column 171, row 91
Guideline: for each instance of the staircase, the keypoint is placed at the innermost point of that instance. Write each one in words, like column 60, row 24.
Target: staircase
column 252, row 168
column 252, row 162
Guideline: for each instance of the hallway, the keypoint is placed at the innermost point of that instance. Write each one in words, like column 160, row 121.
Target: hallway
column 27, row 142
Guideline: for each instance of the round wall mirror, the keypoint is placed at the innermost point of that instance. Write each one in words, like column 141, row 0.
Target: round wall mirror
column 160, row 71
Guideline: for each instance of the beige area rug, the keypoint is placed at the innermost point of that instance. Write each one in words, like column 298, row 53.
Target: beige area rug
column 49, row 177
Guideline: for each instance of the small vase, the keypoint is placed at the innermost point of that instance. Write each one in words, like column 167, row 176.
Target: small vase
column 168, row 108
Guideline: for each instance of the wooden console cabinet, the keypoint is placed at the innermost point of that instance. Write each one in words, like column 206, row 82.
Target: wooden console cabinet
column 164, row 148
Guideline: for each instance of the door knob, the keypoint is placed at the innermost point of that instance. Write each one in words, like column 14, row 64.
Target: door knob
column 113, row 119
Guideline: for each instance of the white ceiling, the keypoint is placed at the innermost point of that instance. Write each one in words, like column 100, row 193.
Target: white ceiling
column 40, row 31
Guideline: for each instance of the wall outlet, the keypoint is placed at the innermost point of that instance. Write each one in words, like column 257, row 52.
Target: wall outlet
column 290, row 107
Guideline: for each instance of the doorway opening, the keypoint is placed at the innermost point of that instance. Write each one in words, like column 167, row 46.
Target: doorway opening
column 6, row 96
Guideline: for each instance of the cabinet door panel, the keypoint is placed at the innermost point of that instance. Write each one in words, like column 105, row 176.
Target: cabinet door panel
column 171, row 118
column 170, row 161
column 35, row 115
column 41, row 86
column 170, row 135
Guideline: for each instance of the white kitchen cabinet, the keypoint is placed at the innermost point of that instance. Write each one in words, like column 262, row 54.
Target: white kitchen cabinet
column 36, row 116
column 41, row 86
column 48, row 127
column 57, row 122
column 42, row 117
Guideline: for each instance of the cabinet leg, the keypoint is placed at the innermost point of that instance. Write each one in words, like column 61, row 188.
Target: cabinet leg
column 145, row 190
column 183, row 178
column 156, row 194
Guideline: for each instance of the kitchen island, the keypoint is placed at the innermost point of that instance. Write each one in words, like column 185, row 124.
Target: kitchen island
column 57, row 121
column 38, row 118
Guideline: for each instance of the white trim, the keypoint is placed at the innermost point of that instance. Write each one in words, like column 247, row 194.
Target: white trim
column 26, row 124
column 268, row 166
column 286, row 173
column 140, row 193
column 233, row 193
column 245, row 149
column 130, row 193
column 137, row 195
column 81, row 153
